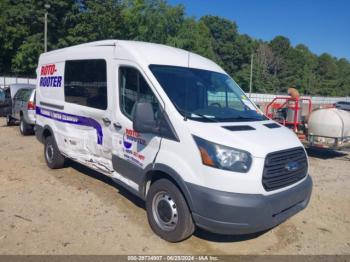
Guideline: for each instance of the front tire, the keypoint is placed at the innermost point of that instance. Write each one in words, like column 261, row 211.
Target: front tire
column 167, row 212
column 53, row 157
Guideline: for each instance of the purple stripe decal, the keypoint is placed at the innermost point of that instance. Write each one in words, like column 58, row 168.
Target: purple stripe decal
column 72, row 119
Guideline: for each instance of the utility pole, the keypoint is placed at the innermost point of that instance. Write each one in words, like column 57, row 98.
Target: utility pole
column 251, row 75
column 47, row 6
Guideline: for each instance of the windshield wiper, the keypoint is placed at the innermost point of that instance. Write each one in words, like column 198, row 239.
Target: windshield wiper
column 205, row 117
column 188, row 114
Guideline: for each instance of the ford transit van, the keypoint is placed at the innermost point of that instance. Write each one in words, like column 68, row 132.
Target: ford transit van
column 176, row 130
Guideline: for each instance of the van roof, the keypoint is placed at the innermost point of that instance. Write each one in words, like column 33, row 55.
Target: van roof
column 141, row 52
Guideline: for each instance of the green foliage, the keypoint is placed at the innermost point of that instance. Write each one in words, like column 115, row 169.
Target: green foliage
column 151, row 21
column 277, row 64
column 223, row 36
column 193, row 36
column 25, row 60
column 21, row 28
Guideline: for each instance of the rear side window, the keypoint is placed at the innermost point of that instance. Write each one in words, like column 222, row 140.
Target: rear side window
column 26, row 94
column 23, row 94
column 85, row 83
column 18, row 94
column 133, row 88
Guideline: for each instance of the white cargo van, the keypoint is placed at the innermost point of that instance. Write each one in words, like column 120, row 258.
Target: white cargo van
column 174, row 129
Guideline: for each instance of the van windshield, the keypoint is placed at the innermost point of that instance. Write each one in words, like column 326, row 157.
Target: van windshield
column 205, row 95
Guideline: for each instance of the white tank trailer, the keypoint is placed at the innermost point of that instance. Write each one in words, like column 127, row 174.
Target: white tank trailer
column 329, row 127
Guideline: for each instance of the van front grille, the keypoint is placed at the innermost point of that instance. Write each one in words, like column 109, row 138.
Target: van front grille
column 283, row 168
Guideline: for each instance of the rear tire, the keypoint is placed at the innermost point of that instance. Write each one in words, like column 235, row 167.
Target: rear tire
column 53, row 157
column 25, row 128
column 9, row 120
column 168, row 213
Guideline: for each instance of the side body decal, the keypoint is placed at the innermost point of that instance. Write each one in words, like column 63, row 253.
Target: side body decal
column 72, row 119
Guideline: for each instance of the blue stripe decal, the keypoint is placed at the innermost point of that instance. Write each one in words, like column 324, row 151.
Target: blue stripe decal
column 72, row 119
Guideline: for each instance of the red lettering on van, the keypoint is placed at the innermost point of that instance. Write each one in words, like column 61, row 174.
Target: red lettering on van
column 132, row 133
column 48, row 70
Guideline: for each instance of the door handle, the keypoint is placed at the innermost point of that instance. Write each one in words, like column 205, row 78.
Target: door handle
column 117, row 125
column 106, row 121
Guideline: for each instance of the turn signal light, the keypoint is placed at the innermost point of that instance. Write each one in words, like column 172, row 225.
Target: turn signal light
column 206, row 159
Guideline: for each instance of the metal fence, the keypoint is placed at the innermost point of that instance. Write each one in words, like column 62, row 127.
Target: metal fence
column 319, row 100
column 6, row 80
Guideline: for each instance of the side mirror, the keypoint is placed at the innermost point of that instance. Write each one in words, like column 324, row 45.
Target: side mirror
column 143, row 118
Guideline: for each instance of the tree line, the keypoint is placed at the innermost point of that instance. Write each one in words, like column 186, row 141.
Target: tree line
column 277, row 64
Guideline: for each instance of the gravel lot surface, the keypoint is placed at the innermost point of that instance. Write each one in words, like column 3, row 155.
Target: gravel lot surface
column 77, row 211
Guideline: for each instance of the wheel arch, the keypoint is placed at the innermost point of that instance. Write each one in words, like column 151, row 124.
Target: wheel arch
column 43, row 132
column 47, row 131
column 159, row 171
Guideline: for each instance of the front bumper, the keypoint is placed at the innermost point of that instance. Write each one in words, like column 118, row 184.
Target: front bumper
column 233, row 213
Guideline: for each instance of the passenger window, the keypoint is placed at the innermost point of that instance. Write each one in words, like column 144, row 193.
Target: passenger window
column 85, row 83
column 133, row 88
column 221, row 96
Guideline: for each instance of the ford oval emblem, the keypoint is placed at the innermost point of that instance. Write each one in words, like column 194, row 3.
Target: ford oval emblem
column 292, row 166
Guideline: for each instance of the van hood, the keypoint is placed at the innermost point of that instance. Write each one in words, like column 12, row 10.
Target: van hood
column 258, row 137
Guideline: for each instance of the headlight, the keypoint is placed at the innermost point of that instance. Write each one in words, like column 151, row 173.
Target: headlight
column 223, row 157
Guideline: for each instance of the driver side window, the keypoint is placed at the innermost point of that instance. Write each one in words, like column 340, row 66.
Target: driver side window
column 132, row 89
column 216, row 99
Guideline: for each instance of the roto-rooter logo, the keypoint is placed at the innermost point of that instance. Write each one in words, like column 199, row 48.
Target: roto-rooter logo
column 130, row 138
column 47, row 78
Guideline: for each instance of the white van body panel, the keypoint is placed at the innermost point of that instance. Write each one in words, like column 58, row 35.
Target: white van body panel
column 105, row 140
column 143, row 147
column 79, row 141
column 227, row 181
column 147, row 54
column 268, row 140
